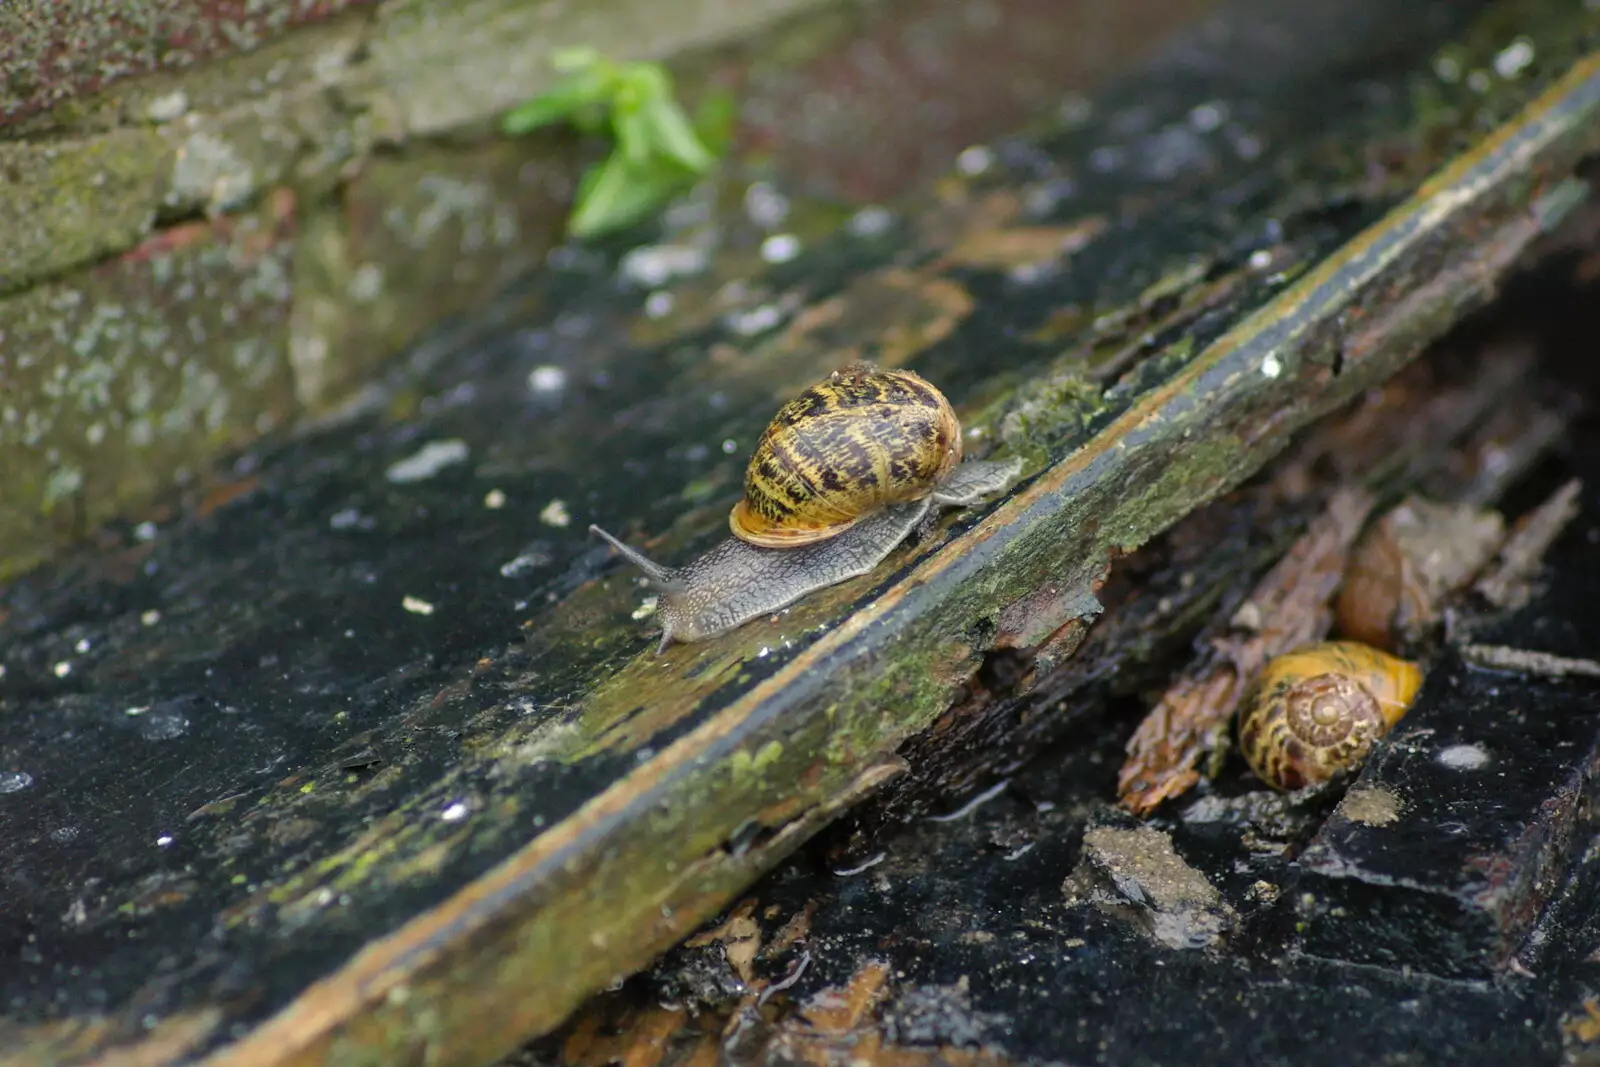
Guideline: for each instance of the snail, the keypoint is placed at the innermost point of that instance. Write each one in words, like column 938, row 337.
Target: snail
column 842, row 474
column 1317, row 710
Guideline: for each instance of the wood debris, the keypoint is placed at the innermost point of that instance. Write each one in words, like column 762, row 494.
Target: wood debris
column 1289, row 607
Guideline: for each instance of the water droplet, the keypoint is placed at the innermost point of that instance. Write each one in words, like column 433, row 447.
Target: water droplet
column 765, row 206
column 1463, row 757
column 344, row 519
column 975, row 160
column 780, row 248
column 870, row 221
column 659, row 304
column 1208, row 116
column 1514, row 58
column 556, row 514
column 758, row 319
column 534, row 556
column 163, row 722
column 652, row 266
column 547, row 379
column 14, row 781
column 427, row 461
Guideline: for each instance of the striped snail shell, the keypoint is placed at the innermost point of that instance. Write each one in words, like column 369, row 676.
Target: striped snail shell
column 1317, row 711
column 844, row 449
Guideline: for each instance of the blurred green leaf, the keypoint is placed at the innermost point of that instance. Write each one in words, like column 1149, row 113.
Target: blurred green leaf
column 540, row 111
column 649, row 80
column 631, row 127
column 657, row 149
column 564, row 101
column 615, row 193
column 673, row 136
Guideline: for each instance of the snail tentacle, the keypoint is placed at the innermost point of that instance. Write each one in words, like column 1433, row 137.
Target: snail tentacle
column 664, row 578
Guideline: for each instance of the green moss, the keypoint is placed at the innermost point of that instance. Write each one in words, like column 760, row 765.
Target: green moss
column 69, row 202
column 743, row 764
column 1041, row 420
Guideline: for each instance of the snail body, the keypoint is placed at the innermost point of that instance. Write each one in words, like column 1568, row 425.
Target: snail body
column 824, row 502
column 1317, row 711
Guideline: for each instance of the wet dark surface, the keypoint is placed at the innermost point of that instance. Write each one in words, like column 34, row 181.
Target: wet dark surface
column 1443, row 910
column 1491, row 785
column 242, row 743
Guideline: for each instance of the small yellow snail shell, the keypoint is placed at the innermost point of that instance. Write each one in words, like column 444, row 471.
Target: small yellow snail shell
column 1317, row 710
column 844, row 449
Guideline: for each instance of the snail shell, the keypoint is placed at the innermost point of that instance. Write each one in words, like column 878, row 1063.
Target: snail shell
column 847, row 447
column 1317, row 711
column 885, row 448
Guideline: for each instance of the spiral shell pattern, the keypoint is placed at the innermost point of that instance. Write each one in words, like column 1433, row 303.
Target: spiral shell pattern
column 842, row 450
column 1317, row 711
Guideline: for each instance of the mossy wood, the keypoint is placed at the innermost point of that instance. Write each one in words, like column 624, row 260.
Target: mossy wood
column 286, row 786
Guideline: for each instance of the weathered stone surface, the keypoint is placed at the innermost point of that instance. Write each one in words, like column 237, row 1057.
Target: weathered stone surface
column 108, row 186
column 58, row 51
column 454, row 224
column 209, row 143
column 113, row 382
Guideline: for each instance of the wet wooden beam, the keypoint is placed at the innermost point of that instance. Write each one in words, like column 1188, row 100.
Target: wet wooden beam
column 290, row 788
